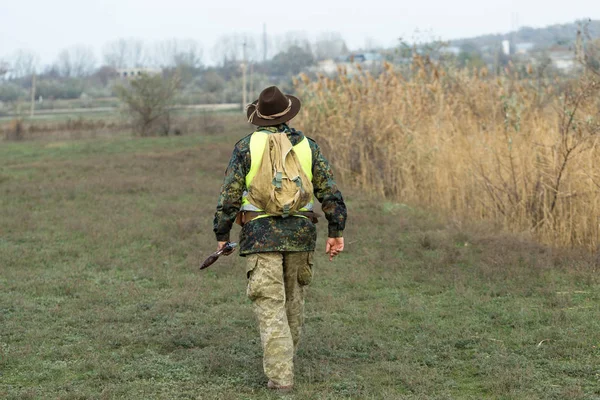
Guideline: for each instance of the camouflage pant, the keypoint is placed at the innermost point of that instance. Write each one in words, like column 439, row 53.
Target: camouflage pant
column 276, row 283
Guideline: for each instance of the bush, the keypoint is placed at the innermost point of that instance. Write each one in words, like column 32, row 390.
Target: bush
column 10, row 92
column 60, row 89
column 14, row 131
column 212, row 82
column 149, row 99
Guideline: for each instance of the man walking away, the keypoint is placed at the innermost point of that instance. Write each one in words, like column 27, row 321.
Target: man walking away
column 270, row 185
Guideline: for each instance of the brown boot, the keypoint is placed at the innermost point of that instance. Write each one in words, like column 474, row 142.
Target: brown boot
column 280, row 388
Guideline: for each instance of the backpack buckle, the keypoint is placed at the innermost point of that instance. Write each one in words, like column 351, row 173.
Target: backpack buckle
column 277, row 180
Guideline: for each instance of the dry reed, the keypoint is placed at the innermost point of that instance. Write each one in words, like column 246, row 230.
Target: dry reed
column 517, row 150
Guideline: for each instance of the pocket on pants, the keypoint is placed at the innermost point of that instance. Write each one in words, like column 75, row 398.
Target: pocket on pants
column 305, row 271
column 251, row 263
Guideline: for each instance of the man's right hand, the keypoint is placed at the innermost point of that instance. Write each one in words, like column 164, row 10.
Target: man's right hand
column 334, row 246
column 220, row 245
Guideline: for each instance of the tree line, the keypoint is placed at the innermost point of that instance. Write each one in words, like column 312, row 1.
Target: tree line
column 81, row 61
column 214, row 75
column 76, row 69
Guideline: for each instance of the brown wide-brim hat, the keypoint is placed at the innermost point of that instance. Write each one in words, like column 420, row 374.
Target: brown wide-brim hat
column 272, row 108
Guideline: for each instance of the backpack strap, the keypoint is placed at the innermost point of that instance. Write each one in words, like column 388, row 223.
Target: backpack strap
column 278, row 179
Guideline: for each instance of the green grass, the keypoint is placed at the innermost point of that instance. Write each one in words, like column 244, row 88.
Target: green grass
column 101, row 297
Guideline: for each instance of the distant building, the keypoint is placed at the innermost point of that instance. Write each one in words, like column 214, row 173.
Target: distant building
column 452, row 50
column 327, row 67
column 524, row 47
column 368, row 60
column 563, row 58
column 506, row 47
column 128, row 73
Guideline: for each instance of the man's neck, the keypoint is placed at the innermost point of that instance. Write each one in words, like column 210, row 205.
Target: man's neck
column 277, row 128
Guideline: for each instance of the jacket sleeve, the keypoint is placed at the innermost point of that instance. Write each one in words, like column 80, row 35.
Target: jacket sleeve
column 230, row 199
column 326, row 191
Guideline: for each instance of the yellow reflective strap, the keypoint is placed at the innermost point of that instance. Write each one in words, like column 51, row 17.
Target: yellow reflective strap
column 258, row 141
column 304, row 154
column 267, row 215
column 245, row 201
column 306, row 208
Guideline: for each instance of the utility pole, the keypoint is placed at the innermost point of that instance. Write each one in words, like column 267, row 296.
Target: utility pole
column 514, row 28
column 265, row 42
column 251, row 80
column 244, row 99
column 579, row 54
column 32, row 94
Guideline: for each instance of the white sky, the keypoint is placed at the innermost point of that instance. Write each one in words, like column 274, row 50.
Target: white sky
column 47, row 26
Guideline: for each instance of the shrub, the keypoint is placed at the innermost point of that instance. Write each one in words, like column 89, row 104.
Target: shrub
column 149, row 99
column 60, row 89
column 10, row 92
column 14, row 131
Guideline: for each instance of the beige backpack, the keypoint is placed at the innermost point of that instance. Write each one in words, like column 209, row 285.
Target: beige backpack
column 280, row 186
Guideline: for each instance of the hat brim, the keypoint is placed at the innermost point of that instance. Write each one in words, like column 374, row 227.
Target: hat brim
column 294, row 110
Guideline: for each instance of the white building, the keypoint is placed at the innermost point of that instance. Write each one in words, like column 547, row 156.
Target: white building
column 563, row 59
column 524, row 47
column 128, row 73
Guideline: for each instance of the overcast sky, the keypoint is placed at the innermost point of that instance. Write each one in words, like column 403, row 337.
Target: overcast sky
column 47, row 26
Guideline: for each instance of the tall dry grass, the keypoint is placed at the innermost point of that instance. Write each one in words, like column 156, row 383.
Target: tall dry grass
column 517, row 150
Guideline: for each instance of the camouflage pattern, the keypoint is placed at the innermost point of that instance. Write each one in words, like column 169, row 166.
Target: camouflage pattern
column 278, row 297
column 275, row 234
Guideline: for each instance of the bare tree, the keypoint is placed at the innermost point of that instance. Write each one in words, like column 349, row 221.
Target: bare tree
column 84, row 61
column 77, row 61
column 176, row 52
column 25, row 63
column 115, row 54
column 124, row 53
column 4, row 67
column 104, row 75
column 372, row 44
column 63, row 64
column 330, row 45
column 227, row 49
column 230, row 48
column 292, row 39
column 588, row 49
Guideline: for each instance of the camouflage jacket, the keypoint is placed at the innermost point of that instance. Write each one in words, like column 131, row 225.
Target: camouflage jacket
column 276, row 233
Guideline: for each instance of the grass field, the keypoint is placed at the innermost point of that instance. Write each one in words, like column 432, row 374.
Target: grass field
column 111, row 112
column 101, row 297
